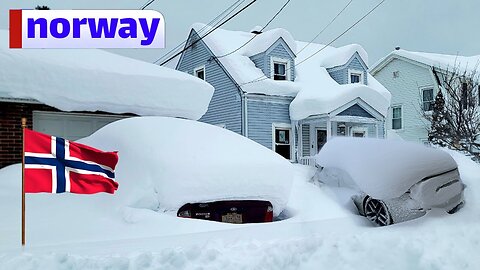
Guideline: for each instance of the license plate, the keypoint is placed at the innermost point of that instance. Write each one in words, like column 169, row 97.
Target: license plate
column 232, row 218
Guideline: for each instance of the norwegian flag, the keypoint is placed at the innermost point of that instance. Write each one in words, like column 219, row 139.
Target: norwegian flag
column 56, row 165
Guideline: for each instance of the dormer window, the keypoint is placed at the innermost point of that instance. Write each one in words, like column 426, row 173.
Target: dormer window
column 355, row 76
column 199, row 72
column 280, row 69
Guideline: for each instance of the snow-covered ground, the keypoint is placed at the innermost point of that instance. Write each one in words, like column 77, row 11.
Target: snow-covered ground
column 323, row 231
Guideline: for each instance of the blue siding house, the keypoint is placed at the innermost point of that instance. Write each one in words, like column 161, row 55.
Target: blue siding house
column 287, row 95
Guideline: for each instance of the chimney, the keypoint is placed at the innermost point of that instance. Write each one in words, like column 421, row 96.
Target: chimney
column 256, row 30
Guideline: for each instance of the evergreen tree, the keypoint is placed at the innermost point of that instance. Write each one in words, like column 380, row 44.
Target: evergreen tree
column 440, row 132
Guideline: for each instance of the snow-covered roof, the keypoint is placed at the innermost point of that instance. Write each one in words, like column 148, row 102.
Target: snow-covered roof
column 442, row 61
column 96, row 80
column 314, row 90
column 321, row 94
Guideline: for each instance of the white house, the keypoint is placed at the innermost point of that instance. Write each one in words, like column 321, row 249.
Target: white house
column 411, row 79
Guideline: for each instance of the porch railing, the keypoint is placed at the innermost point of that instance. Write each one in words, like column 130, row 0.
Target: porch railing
column 309, row 161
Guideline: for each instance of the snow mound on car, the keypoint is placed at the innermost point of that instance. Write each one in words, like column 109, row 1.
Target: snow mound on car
column 384, row 169
column 167, row 162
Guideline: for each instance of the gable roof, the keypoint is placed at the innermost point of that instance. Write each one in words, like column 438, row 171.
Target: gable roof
column 441, row 61
column 96, row 80
column 314, row 90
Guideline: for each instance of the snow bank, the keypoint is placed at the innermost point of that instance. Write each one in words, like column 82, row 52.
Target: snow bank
column 167, row 162
column 95, row 80
column 384, row 169
column 437, row 241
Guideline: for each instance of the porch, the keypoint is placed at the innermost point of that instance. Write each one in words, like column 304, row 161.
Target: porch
column 313, row 132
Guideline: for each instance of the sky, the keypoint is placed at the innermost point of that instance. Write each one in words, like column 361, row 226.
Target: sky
column 437, row 26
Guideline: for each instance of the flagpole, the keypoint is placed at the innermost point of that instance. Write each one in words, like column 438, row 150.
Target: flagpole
column 24, row 125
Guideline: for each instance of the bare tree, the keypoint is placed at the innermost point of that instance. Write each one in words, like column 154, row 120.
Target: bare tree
column 460, row 112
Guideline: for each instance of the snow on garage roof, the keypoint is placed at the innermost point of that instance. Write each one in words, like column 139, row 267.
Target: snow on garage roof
column 314, row 90
column 96, row 80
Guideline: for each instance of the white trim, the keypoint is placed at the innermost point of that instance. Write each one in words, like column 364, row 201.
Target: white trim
column 283, row 126
column 355, row 72
column 195, row 70
column 279, row 60
column 422, row 89
column 401, row 110
column 364, row 105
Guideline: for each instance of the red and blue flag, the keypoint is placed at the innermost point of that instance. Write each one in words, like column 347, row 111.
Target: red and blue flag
column 56, row 165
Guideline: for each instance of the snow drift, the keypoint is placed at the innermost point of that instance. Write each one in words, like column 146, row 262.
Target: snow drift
column 95, row 80
column 384, row 169
column 166, row 162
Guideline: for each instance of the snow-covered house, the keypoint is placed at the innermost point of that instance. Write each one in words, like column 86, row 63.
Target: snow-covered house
column 410, row 77
column 73, row 93
column 287, row 95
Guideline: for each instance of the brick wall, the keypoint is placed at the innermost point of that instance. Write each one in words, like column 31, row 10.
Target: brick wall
column 11, row 129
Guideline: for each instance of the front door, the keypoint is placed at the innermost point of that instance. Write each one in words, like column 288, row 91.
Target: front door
column 321, row 138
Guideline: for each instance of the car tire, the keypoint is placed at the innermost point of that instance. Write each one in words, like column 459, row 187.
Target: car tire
column 377, row 212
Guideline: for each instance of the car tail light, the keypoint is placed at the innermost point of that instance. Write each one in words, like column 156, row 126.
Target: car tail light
column 185, row 214
column 269, row 214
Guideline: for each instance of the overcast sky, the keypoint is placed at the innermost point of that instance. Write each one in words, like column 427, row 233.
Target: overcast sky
column 441, row 26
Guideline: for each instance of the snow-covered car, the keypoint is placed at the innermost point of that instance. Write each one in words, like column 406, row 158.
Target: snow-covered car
column 395, row 181
column 166, row 163
column 234, row 211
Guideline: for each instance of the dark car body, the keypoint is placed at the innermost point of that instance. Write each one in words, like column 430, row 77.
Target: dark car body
column 234, row 211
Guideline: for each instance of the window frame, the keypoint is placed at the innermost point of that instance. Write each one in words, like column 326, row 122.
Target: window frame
column 356, row 72
column 282, row 126
column 422, row 90
column 200, row 68
column 283, row 61
column 401, row 117
column 363, row 130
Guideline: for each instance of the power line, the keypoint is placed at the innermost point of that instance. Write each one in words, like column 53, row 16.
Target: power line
column 343, row 33
column 147, row 4
column 212, row 23
column 215, row 28
column 263, row 77
column 319, row 33
column 245, row 44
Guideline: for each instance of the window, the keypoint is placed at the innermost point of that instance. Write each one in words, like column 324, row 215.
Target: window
column 341, row 129
column 397, row 117
column 282, row 144
column 355, row 76
column 279, row 71
column 427, row 99
column 200, row 72
column 359, row 132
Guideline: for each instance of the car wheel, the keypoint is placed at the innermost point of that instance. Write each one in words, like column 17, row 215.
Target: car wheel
column 377, row 212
